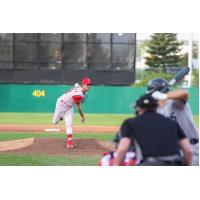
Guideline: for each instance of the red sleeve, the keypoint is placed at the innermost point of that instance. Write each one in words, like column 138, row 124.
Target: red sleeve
column 77, row 99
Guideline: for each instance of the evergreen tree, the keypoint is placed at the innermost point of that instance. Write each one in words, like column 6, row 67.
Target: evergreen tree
column 163, row 51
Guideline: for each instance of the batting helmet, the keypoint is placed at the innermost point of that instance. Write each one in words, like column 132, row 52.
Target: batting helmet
column 157, row 84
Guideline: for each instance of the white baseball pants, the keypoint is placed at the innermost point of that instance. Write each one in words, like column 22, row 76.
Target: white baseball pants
column 66, row 113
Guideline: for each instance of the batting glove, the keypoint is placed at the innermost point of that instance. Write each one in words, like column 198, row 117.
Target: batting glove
column 159, row 95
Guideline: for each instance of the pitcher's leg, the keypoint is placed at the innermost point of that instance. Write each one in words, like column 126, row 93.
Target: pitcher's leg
column 59, row 113
column 57, row 116
column 68, row 122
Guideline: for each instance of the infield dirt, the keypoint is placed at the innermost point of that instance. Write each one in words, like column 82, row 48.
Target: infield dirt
column 54, row 146
column 58, row 128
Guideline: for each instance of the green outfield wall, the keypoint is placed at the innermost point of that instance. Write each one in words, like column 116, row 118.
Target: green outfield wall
column 101, row 99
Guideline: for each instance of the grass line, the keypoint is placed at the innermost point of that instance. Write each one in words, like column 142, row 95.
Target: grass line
column 44, row 160
column 6, row 136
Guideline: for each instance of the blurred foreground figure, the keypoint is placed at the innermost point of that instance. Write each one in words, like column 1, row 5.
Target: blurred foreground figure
column 157, row 139
column 173, row 104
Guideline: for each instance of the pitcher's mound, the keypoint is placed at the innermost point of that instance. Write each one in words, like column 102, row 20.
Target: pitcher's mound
column 52, row 146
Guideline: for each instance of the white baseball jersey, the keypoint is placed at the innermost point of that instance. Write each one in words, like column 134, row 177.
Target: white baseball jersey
column 72, row 96
column 64, row 106
column 181, row 112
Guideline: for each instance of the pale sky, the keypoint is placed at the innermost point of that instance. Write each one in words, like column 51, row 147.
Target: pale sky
column 181, row 36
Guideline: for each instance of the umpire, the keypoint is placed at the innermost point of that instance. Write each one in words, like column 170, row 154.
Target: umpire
column 158, row 139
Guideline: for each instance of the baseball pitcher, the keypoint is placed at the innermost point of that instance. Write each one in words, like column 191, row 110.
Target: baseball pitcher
column 64, row 107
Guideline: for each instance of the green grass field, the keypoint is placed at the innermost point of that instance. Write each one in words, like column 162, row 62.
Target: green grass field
column 8, row 159
column 6, row 136
column 46, row 118
column 38, row 160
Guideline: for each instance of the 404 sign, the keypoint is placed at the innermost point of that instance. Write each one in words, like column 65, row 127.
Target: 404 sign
column 38, row 93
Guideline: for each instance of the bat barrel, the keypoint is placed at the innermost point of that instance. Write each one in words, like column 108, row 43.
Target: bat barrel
column 184, row 71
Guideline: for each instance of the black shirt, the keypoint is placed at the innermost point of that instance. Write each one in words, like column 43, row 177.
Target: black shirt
column 155, row 134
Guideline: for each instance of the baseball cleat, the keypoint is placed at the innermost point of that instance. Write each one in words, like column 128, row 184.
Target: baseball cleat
column 69, row 144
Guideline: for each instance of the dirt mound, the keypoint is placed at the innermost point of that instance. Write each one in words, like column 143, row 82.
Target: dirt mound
column 15, row 144
column 52, row 146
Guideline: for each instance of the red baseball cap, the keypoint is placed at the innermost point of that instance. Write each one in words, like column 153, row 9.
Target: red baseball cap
column 86, row 81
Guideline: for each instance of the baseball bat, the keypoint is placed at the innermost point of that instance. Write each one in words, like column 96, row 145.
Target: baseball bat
column 184, row 71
